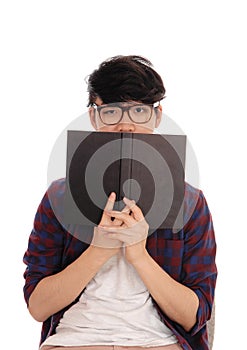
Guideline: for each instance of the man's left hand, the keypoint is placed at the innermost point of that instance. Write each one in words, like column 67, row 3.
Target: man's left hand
column 133, row 232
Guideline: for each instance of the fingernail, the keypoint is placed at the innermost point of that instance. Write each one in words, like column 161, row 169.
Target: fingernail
column 129, row 202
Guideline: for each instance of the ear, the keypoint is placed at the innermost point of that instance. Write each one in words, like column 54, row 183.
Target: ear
column 158, row 112
column 91, row 112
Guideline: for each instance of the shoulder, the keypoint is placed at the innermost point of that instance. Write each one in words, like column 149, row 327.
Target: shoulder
column 195, row 204
column 57, row 186
column 54, row 195
column 194, row 195
column 191, row 196
column 56, row 190
column 191, row 192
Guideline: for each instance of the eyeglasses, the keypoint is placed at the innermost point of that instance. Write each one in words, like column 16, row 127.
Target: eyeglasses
column 112, row 113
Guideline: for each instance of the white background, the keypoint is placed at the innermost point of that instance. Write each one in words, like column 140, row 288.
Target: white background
column 49, row 47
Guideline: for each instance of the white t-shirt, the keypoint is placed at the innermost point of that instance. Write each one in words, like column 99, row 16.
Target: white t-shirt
column 115, row 309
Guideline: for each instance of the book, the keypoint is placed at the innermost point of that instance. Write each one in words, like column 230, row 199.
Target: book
column 147, row 168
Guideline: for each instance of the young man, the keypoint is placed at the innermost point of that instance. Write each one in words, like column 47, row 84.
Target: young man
column 125, row 288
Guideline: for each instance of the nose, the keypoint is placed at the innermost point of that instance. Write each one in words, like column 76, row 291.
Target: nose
column 125, row 127
column 126, row 124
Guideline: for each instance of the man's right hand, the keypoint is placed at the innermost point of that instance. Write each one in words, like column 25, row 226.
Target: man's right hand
column 100, row 239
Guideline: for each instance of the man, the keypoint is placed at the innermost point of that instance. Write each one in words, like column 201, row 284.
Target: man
column 125, row 288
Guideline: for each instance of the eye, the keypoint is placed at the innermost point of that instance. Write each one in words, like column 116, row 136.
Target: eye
column 140, row 110
column 107, row 111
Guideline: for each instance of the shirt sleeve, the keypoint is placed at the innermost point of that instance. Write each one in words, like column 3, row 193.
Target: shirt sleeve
column 45, row 247
column 199, row 269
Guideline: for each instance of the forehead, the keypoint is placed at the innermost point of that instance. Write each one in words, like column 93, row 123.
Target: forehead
column 99, row 102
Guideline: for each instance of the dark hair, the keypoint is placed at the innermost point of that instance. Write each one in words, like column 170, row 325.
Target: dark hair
column 125, row 78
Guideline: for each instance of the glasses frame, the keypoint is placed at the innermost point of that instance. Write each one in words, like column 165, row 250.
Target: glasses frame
column 124, row 109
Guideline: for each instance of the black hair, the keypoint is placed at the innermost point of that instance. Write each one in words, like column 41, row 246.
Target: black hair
column 125, row 78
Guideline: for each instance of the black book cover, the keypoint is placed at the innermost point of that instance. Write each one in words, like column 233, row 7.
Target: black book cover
column 148, row 168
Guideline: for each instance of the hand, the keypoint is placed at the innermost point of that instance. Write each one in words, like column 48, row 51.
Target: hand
column 100, row 238
column 132, row 232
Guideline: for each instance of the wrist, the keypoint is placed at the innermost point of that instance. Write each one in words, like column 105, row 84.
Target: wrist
column 136, row 256
column 100, row 255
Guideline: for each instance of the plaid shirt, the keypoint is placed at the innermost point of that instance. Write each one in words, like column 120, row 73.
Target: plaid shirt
column 187, row 255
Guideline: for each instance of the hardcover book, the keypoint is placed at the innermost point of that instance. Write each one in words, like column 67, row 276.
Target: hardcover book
column 148, row 168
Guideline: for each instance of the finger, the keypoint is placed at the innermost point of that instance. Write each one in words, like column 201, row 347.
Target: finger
column 126, row 209
column 109, row 206
column 110, row 202
column 124, row 216
column 117, row 222
column 129, row 203
column 138, row 215
column 126, row 239
column 106, row 229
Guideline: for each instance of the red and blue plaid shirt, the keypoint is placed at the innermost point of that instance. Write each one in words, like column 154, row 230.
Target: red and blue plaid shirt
column 187, row 255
